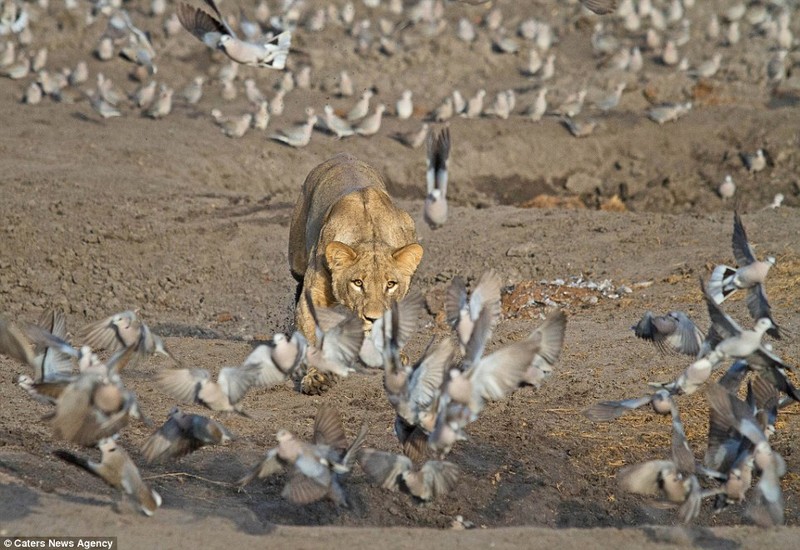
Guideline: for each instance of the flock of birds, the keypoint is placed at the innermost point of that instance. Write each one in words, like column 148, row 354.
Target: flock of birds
column 739, row 430
column 628, row 37
column 435, row 398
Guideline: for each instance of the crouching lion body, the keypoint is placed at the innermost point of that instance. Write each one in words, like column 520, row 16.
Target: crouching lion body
column 349, row 244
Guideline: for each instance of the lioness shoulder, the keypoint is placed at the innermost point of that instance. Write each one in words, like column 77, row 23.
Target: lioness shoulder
column 348, row 243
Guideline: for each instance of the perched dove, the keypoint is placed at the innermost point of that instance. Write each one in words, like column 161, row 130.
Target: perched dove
column 405, row 107
column 361, row 108
column 371, row 124
column 335, row 124
column 296, row 136
column 415, row 138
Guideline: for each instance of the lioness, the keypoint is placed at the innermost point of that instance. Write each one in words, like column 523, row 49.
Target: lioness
column 349, row 244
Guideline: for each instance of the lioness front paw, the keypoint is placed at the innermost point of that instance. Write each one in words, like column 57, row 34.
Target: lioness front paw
column 316, row 382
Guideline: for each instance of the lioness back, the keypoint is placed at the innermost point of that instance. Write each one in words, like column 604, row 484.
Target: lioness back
column 348, row 243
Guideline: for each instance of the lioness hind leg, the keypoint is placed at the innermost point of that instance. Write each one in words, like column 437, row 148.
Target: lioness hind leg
column 316, row 382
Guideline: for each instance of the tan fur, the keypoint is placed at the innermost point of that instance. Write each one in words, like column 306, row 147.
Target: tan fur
column 345, row 229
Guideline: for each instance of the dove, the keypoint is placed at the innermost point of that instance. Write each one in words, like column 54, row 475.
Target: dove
column 727, row 189
column 33, row 94
column 337, row 125
column 95, row 406
column 501, row 107
column 8, row 54
column 606, row 411
column 105, row 49
column 196, row 386
column 754, row 162
column 172, row 25
column 229, row 91
column 733, row 35
column 49, row 362
column 216, row 33
column 462, row 311
column 162, row 106
column 396, row 472
column 549, row 68
column 296, row 136
column 636, row 62
column 539, row 107
column 668, row 112
column 579, row 128
column 276, row 104
column 339, row 336
column 415, row 138
column 317, row 466
column 474, row 105
column 600, row 7
column 670, row 55
column 776, row 66
column 435, row 209
column 750, row 275
column 303, row 78
column 573, row 105
column 193, row 92
column 370, row 125
column 444, row 111
column 237, row 126
column 674, row 480
column 144, row 96
column 708, row 68
column 271, row 365
column 713, row 28
column 459, row 103
column 465, row 31
column 405, row 107
column 101, row 106
column 122, row 330
column 118, row 470
column 674, row 332
column 346, row 88
column 549, row 337
column 361, row 108
column 611, row 101
column 229, row 72
column 251, row 91
column 733, row 413
column 261, row 116
column 534, row 63
column 39, row 60
column 376, row 342
column 183, row 434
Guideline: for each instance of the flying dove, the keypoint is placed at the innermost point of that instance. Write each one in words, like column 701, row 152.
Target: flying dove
column 375, row 345
column 118, row 470
column 605, row 411
column 339, row 334
column 435, row 209
column 549, row 337
column 123, row 330
column 674, row 332
column 49, row 363
column 183, row 434
column 316, row 466
column 673, row 480
column 751, row 275
column 462, row 310
column 216, row 33
column 196, row 386
column 396, row 472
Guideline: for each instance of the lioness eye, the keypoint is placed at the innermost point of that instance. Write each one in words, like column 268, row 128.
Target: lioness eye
column 391, row 284
column 358, row 282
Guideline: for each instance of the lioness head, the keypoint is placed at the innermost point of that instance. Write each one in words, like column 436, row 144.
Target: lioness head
column 368, row 280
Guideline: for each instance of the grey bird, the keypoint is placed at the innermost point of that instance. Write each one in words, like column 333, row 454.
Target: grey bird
column 606, row 411
column 123, row 330
column 579, row 128
column 751, row 275
column 49, row 362
column 183, row 434
column 101, row 106
column 118, row 470
column 339, row 335
column 435, row 209
column 462, row 310
column 216, row 33
column 673, row 480
column 674, row 332
column 754, row 162
column 93, row 407
column 337, row 125
column 415, row 138
column 318, row 465
column 273, row 365
column 296, row 136
column 196, row 386
column 737, row 415
column 397, row 472
column 549, row 339
column 398, row 323
column 370, row 125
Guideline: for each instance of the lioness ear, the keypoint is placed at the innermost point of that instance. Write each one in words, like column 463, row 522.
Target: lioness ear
column 339, row 255
column 408, row 258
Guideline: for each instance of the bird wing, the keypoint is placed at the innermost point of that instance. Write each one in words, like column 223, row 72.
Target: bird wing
column 643, row 479
column 486, row 295
column 605, row 411
column 723, row 325
column 682, row 455
column 264, row 371
column 600, row 7
column 742, row 250
column 455, row 300
column 500, row 373
column 235, row 381
column 183, row 384
column 441, row 476
column 14, row 344
column 168, row 441
column 549, row 336
column 328, row 429
column 213, row 5
column 201, row 24
column 301, row 489
column 758, row 306
column 428, row 375
column 383, row 468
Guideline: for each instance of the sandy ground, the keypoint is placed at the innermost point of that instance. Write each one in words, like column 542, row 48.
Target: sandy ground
column 191, row 227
